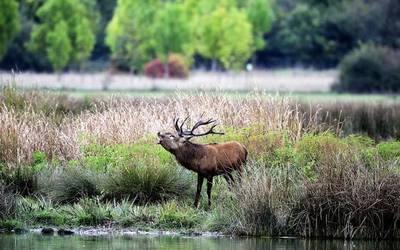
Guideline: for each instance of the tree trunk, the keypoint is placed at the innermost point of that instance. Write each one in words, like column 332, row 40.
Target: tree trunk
column 59, row 75
column 214, row 65
column 166, row 70
column 254, row 60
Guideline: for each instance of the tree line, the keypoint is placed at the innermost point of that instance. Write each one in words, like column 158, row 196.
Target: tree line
column 53, row 35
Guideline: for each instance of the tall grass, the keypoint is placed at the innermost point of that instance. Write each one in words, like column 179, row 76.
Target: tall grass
column 8, row 202
column 378, row 120
column 124, row 120
column 94, row 164
column 61, row 126
column 350, row 200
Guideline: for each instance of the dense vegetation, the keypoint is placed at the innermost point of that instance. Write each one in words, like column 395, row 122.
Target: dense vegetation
column 69, row 162
column 215, row 34
column 370, row 69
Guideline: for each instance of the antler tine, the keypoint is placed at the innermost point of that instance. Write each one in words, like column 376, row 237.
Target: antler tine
column 181, row 127
column 210, row 131
column 201, row 123
column 176, row 120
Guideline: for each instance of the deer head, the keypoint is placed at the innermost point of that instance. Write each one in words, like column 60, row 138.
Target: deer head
column 173, row 141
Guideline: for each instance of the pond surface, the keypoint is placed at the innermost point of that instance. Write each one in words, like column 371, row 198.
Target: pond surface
column 37, row 241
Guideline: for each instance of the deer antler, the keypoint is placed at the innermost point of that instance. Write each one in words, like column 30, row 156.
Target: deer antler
column 179, row 128
column 190, row 133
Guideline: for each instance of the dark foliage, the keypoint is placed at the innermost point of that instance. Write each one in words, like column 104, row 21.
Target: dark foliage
column 8, row 201
column 370, row 69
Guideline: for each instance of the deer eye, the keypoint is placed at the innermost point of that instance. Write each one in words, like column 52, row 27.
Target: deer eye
column 171, row 136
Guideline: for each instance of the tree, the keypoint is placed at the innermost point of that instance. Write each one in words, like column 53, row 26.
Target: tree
column 9, row 23
column 171, row 33
column 59, row 52
column 301, row 36
column 225, row 35
column 261, row 16
column 101, row 51
column 129, row 33
column 65, row 33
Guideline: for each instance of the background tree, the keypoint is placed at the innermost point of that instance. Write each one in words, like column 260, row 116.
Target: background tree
column 65, row 34
column 300, row 37
column 18, row 57
column 59, row 51
column 129, row 33
column 224, row 35
column 260, row 14
column 9, row 23
column 101, row 51
column 171, row 33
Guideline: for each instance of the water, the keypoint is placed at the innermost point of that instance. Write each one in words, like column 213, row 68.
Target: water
column 39, row 242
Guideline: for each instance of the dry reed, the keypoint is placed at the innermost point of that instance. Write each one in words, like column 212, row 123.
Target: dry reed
column 118, row 120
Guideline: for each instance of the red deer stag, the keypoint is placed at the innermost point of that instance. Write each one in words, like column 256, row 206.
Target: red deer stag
column 206, row 160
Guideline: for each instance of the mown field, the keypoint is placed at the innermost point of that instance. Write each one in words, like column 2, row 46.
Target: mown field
column 314, row 170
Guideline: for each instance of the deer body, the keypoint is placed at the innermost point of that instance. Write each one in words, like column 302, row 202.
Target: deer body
column 211, row 159
column 206, row 160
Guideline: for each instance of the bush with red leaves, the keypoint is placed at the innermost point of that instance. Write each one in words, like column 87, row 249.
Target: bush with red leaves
column 176, row 66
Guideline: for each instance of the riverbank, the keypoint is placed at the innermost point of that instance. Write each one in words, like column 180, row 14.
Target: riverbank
column 67, row 163
column 113, row 232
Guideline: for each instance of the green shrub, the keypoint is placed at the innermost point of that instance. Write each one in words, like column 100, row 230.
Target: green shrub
column 10, row 225
column 39, row 157
column 147, row 183
column 42, row 211
column 315, row 150
column 261, row 146
column 389, row 150
column 370, row 69
column 126, row 214
column 90, row 212
column 69, row 184
column 173, row 215
column 103, row 158
column 48, row 217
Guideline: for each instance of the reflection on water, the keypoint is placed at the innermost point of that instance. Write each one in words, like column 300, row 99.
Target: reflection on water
column 36, row 242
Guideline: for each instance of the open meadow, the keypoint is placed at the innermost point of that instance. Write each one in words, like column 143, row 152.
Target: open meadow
column 314, row 170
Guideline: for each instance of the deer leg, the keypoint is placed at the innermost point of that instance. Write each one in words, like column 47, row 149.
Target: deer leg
column 229, row 179
column 200, row 179
column 209, row 187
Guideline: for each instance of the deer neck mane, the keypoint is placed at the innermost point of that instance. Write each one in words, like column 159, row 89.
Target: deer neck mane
column 189, row 153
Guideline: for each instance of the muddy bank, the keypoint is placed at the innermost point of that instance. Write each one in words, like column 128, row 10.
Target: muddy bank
column 111, row 231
